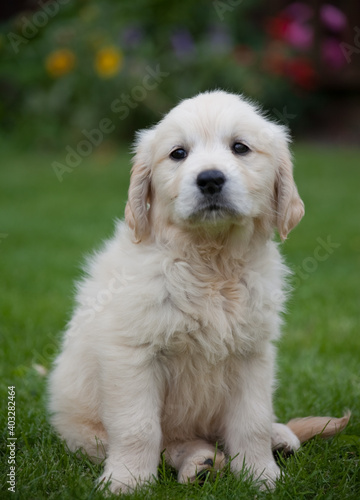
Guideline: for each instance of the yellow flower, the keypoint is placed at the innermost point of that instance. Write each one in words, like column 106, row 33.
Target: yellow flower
column 108, row 62
column 60, row 62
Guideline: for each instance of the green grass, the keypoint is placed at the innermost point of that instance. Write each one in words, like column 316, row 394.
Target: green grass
column 46, row 228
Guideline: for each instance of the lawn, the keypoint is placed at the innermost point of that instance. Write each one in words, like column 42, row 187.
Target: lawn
column 46, row 228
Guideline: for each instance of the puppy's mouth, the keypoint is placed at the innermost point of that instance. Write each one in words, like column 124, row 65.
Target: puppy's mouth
column 212, row 210
column 214, row 207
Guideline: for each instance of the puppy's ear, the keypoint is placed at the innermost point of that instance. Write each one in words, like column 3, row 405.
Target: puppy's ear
column 136, row 210
column 289, row 205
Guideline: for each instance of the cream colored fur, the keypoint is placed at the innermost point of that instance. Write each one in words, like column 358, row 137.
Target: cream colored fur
column 171, row 342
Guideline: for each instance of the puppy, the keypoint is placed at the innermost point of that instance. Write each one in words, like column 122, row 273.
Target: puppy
column 171, row 343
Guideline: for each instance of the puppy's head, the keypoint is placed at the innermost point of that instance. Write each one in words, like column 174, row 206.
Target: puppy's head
column 213, row 162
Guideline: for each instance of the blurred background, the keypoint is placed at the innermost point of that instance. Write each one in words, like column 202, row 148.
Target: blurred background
column 67, row 65
column 77, row 79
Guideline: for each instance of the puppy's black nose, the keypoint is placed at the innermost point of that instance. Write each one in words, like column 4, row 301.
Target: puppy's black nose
column 210, row 181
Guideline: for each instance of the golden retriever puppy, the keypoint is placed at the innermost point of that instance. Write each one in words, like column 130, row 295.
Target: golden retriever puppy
column 171, row 343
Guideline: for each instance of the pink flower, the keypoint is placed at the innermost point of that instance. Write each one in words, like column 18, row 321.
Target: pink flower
column 299, row 35
column 299, row 11
column 332, row 17
column 331, row 53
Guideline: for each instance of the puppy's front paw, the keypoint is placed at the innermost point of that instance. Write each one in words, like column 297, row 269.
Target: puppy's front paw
column 108, row 480
column 264, row 474
column 267, row 476
column 121, row 483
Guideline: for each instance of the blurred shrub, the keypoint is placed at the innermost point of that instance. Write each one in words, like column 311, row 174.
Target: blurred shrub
column 70, row 64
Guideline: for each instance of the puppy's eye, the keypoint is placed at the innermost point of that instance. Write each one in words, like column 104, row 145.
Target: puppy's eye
column 240, row 149
column 178, row 154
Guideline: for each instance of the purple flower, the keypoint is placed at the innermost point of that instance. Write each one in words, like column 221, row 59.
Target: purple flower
column 299, row 11
column 219, row 39
column 331, row 53
column 182, row 43
column 132, row 36
column 332, row 17
column 299, row 35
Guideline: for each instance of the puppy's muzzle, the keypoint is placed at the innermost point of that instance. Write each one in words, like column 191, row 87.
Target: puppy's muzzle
column 210, row 182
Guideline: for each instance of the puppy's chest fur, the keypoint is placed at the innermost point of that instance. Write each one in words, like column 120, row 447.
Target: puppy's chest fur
column 219, row 318
column 222, row 312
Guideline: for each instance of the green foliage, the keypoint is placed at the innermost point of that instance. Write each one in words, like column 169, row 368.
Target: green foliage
column 46, row 227
column 62, row 69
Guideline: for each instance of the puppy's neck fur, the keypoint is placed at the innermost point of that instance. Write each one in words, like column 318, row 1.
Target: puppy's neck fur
column 222, row 249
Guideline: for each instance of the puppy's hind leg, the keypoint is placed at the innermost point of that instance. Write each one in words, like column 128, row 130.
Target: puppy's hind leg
column 73, row 406
column 193, row 458
column 288, row 438
column 82, row 436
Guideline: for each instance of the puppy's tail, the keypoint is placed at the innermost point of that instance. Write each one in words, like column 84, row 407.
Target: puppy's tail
column 325, row 427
